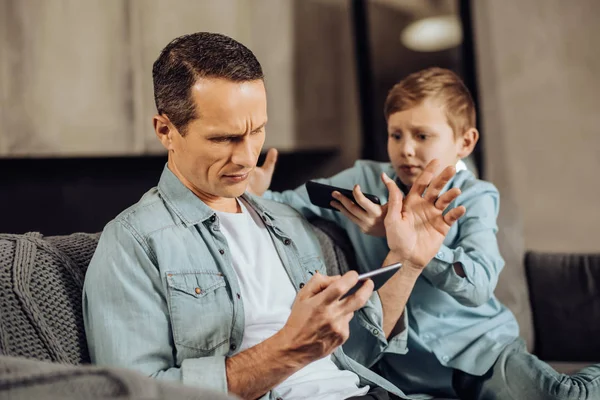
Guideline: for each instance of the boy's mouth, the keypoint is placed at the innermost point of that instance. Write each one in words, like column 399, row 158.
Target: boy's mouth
column 409, row 169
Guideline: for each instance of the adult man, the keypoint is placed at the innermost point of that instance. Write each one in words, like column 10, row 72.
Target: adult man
column 197, row 282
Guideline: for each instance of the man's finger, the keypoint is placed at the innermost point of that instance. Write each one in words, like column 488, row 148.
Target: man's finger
column 340, row 287
column 357, row 300
column 444, row 200
column 438, row 183
column 424, row 179
column 453, row 215
column 317, row 284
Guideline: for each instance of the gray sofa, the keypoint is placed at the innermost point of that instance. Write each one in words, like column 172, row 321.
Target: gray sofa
column 43, row 348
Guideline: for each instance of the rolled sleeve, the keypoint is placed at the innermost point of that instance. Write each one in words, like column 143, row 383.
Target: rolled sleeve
column 206, row 372
column 367, row 342
column 475, row 249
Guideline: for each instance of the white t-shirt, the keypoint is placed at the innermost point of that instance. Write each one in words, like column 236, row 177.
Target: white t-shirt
column 268, row 294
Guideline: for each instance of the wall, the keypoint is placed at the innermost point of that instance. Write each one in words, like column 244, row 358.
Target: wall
column 538, row 64
column 76, row 139
column 75, row 76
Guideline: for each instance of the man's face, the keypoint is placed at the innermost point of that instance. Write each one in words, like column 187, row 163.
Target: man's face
column 222, row 146
column 418, row 135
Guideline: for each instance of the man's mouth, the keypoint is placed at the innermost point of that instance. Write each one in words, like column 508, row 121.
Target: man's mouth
column 237, row 177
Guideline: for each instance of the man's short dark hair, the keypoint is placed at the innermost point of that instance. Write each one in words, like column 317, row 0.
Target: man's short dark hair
column 190, row 57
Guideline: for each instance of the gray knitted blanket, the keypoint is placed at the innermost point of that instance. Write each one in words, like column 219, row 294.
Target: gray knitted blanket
column 41, row 281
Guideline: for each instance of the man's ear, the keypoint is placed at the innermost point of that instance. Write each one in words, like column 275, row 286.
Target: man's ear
column 467, row 142
column 164, row 130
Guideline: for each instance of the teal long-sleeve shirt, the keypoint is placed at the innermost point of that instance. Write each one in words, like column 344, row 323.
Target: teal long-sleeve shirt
column 454, row 322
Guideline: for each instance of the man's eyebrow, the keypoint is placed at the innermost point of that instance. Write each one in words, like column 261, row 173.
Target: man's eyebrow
column 260, row 127
column 217, row 135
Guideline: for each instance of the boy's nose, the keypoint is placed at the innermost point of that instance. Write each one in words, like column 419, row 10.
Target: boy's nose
column 407, row 148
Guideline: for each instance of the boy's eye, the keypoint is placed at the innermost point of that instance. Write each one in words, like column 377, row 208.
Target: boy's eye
column 395, row 136
column 421, row 136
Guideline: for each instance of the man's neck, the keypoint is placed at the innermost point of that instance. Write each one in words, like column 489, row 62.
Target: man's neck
column 217, row 203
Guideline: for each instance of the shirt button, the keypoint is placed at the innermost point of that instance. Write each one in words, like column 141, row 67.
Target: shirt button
column 376, row 332
column 213, row 218
column 445, row 358
column 221, row 251
column 301, row 285
column 426, row 336
column 287, row 242
column 440, row 255
column 198, row 290
column 232, row 347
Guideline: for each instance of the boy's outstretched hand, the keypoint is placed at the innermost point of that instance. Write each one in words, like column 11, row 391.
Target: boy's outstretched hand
column 260, row 177
column 416, row 226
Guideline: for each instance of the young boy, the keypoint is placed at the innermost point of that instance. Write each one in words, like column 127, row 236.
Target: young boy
column 461, row 339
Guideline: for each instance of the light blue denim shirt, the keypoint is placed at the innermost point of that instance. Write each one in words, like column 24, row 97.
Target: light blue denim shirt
column 454, row 322
column 161, row 296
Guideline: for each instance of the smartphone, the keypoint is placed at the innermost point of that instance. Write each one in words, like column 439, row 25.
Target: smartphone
column 320, row 194
column 379, row 277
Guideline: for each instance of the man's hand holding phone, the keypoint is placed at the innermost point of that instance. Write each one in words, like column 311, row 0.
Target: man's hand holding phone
column 320, row 318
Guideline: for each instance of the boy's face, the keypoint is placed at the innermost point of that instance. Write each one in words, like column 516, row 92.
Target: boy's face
column 420, row 134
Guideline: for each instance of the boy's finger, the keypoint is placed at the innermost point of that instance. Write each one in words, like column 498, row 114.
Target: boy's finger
column 394, row 195
column 355, row 220
column 367, row 205
column 453, row 215
column 270, row 160
column 444, row 200
column 424, row 179
column 349, row 204
column 438, row 183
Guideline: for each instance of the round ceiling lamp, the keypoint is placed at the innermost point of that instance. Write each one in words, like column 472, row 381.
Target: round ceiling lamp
column 433, row 33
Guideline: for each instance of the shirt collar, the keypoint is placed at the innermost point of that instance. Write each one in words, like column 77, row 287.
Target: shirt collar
column 182, row 200
column 189, row 207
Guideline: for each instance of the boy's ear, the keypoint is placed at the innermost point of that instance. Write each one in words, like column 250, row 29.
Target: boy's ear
column 164, row 130
column 467, row 142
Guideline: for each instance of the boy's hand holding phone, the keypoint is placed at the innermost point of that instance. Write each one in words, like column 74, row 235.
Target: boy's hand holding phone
column 367, row 215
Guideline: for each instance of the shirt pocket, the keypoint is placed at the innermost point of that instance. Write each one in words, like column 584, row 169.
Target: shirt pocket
column 311, row 265
column 201, row 309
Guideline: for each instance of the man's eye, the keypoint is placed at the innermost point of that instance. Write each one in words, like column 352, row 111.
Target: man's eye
column 422, row 136
column 223, row 139
column 395, row 136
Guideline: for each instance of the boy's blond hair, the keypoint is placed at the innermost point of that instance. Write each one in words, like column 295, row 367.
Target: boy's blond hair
column 438, row 84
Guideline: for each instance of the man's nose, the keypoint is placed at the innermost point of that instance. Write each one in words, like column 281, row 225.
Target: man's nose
column 243, row 154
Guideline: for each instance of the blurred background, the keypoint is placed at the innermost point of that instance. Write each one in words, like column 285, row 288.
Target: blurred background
column 76, row 138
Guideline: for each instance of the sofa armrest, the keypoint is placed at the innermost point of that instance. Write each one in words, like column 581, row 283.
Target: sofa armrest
column 564, row 291
column 22, row 378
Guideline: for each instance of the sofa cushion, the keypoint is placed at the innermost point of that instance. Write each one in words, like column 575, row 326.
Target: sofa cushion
column 22, row 379
column 337, row 248
column 565, row 297
column 41, row 280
